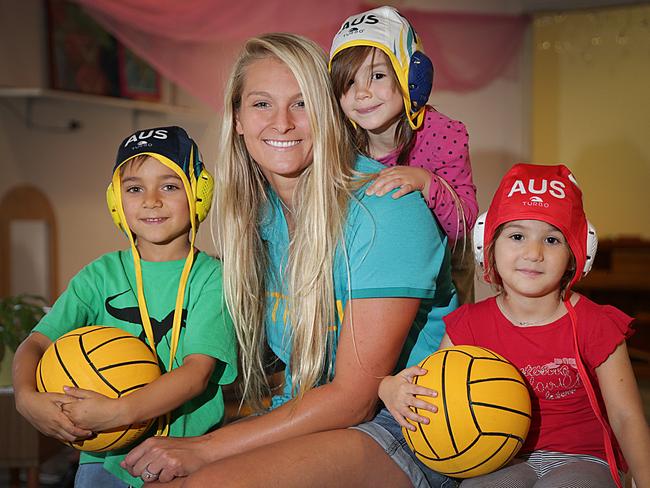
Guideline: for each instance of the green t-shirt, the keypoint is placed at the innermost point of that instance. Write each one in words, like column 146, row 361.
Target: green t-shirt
column 104, row 293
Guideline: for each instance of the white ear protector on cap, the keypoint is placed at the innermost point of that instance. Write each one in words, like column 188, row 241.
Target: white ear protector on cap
column 479, row 245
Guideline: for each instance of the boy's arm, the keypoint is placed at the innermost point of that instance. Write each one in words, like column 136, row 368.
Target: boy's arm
column 42, row 410
column 96, row 412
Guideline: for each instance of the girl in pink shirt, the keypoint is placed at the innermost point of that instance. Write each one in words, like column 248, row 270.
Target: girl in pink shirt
column 383, row 80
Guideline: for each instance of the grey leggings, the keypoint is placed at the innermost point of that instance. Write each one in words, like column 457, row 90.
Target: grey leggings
column 520, row 474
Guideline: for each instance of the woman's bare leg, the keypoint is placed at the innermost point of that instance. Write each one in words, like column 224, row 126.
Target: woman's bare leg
column 337, row 458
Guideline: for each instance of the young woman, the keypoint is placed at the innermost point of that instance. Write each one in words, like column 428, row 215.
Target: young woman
column 344, row 287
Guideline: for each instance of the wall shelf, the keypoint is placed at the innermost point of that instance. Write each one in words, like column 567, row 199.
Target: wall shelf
column 135, row 105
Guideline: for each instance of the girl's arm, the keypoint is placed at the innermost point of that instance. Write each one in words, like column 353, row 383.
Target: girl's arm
column 42, row 410
column 398, row 394
column 443, row 149
column 367, row 351
column 625, row 412
column 444, row 179
column 453, row 200
column 97, row 412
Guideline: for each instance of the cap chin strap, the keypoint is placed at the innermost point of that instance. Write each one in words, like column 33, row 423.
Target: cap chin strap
column 415, row 121
column 591, row 394
column 164, row 420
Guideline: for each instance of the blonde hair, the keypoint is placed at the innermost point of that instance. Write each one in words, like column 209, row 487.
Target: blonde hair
column 320, row 203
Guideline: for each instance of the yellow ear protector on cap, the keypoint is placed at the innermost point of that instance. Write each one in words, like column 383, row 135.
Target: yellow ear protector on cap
column 385, row 29
column 199, row 193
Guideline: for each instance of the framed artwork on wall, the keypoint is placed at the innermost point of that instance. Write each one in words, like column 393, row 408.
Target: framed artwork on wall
column 138, row 80
column 85, row 58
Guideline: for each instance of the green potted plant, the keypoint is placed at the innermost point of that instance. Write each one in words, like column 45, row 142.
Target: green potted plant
column 18, row 315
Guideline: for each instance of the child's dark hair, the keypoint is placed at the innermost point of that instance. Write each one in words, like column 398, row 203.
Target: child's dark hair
column 344, row 67
column 495, row 279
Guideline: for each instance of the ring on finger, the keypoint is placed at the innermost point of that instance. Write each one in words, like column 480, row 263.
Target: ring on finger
column 148, row 475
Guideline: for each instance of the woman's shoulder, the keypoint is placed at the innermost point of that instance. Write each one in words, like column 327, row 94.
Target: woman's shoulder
column 366, row 165
column 379, row 206
column 366, row 168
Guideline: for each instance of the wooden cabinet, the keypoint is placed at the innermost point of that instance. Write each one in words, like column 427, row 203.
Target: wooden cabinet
column 21, row 445
column 621, row 277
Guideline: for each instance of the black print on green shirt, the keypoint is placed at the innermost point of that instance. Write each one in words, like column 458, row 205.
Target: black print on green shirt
column 132, row 315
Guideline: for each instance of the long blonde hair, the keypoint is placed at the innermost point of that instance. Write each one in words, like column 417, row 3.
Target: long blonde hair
column 320, row 203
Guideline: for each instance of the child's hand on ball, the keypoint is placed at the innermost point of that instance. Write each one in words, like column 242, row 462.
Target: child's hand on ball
column 43, row 411
column 91, row 410
column 398, row 394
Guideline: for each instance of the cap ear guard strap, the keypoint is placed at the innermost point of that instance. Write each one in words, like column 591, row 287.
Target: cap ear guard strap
column 142, row 305
column 116, row 198
column 591, row 395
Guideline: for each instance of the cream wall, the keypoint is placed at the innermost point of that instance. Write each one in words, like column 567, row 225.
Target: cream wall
column 73, row 168
column 592, row 110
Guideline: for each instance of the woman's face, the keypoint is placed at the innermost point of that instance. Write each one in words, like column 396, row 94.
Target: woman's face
column 274, row 122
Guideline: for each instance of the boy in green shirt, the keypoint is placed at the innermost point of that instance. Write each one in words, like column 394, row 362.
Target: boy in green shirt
column 162, row 290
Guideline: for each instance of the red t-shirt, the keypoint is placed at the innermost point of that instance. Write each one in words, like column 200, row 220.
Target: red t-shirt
column 562, row 418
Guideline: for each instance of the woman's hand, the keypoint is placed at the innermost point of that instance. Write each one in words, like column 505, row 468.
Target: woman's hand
column 169, row 457
column 406, row 178
column 398, row 394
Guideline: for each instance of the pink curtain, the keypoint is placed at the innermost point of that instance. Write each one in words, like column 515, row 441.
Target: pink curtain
column 194, row 42
column 468, row 50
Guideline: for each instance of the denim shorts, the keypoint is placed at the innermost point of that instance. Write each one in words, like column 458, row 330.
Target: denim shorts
column 93, row 475
column 385, row 430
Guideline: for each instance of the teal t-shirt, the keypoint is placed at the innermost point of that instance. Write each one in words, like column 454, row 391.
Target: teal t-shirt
column 104, row 293
column 394, row 249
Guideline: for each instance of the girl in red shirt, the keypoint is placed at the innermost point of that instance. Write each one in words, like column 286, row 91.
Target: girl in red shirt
column 534, row 244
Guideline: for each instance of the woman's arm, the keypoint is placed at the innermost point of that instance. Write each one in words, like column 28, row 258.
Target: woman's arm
column 625, row 412
column 96, row 412
column 368, row 350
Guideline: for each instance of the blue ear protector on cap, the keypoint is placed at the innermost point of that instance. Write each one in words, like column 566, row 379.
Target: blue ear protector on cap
column 420, row 80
